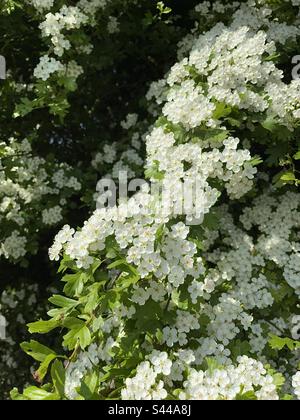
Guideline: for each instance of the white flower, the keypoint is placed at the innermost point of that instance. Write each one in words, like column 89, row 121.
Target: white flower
column 161, row 362
column 296, row 384
column 46, row 67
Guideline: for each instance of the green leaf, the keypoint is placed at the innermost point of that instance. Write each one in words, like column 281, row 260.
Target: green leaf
column 89, row 386
column 288, row 176
column 126, row 281
column 198, row 243
column 278, row 343
column 109, row 300
column 256, row 160
column 234, row 122
column 66, row 263
column 35, row 393
column 84, row 337
column 162, row 8
column 66, row 305
column 211, row 221
column 36, row 350
column 74, row 284
column 221, row 110
column 79, row 333
column 124, row 266
column 270, row 124
column 215, row 134
column 283, row 291
column 15, row 395
column 212, row 365
column 112, row 247
column 148, row 316
column 249, row 395
column 239, row 348
column 276, row 153
column 58, row 375
column 24, row 108
column 43, row 327
column 154, row 173
column 73, row 323
column 297, row 156
column 272, row 57
column 94, row 267
column 63, row 302
column 92, row 299
column 278, row 379
column 43, row 369
column 127, row 342
column 116, row 264
column 159, row 235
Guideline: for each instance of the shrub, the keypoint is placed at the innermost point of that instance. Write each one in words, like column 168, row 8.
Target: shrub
column 166, row 298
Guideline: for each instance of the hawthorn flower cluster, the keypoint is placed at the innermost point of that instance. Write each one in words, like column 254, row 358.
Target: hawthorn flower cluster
column 58, row 26
column 131, row 120
column 248, row 376
column 52, row 216
column 61, row 238
column 49, row 65
column 254, row 14
column 295, row 331
column 76, row 370
column 256, row 86
column 249, row 264
column 112, row 25
column 145, row 385
column 296, row 384
column 128, row 161
column 68, row 18
column 25, row 181
column 41, row 5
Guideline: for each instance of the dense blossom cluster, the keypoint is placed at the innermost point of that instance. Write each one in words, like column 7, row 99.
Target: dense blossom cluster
column 26, row 180
column 49, row 65
column 296, row 384
column 215, row 56
column 253, row 287
column 254, row 14
column 76, row 371
column 58, row 25
column 229, row 317
column 41, row 5
column 249, row 375
column 239, row 266
column 128, row 161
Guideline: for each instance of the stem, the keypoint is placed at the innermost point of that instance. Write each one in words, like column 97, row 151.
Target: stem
column 73, row 354
column 168, row 302
column 277, row 328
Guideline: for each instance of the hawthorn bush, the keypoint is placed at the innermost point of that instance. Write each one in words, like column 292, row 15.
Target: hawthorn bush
column 49, row 140
column 187, row 286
